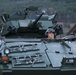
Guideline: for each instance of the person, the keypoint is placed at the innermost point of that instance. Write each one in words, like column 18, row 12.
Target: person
column 26, row 11
column 50, row 33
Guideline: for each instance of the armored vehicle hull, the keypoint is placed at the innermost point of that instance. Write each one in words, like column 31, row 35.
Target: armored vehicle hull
column 32, row 56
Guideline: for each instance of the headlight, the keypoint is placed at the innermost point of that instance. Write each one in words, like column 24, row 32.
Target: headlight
column 6, row 51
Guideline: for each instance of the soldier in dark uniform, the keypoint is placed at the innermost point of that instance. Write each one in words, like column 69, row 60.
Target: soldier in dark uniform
column 26, row 12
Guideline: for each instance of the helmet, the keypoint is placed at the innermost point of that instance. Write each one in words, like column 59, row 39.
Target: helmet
column 49, row 30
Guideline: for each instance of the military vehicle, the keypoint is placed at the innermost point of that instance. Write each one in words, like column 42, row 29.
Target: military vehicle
column 23, row 49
